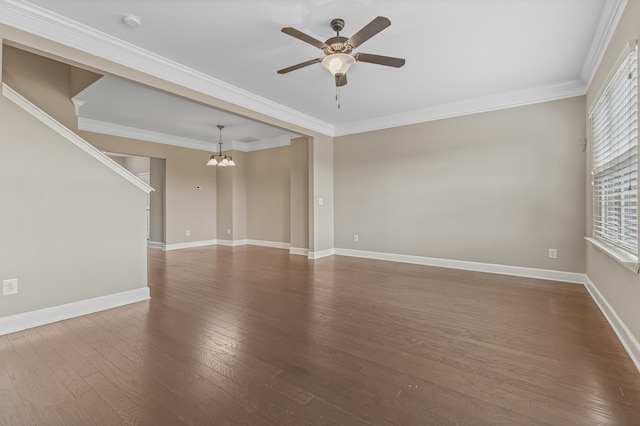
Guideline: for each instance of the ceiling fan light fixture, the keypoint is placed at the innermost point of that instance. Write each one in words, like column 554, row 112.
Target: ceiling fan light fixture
column 338, row 59
column 338, row 63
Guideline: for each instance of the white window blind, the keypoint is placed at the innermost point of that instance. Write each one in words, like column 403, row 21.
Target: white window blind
column 614, row 135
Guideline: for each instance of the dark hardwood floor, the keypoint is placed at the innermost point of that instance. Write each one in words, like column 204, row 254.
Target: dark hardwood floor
column 252, row 335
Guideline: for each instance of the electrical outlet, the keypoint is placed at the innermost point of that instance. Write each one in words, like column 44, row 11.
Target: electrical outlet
column 320, row 201
column 10, row 287
column 228, row 231
column 188, row 233
column 356, row 238
column 553, row 253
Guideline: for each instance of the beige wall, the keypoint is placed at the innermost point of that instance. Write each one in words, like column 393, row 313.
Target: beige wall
column 155, row 167
column 239, row 199
column 46, row 83
column 80, row 79
column 136, row 164
column 224, row 200
column 187, row 208
column 157, row 206
column 617, row 284
column 258, row 197
column 255, row 197
column 232, row 199
column 299, row 193
column 321, row 178
column 500, row 187
column 119, row 160
column 70, row 228
column 268, row 182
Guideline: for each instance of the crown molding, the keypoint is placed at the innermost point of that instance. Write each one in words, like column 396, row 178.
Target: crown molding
column 106, row 128
column 77, row 104
column 470, row 106
column 611, row 13
column 259, row 145
column 41, row 22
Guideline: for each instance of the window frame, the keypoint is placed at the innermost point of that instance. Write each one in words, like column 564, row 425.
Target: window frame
column 609, row 177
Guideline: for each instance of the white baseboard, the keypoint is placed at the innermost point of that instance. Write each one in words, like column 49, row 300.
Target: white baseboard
column 299, row 251
column 227, row 243
column 627, row 339
column 320, row 254
column 545, row 274
column 44, row 316
column 190, row 244
column 155, row 244
column 231, row 243
column 273, row 244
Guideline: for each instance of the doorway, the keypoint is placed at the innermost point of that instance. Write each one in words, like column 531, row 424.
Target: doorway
column 151, row 171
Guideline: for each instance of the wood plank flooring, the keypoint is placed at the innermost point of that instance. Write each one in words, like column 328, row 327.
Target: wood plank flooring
column 252, row 335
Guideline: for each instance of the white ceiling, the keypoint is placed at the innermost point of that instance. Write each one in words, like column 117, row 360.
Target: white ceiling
column 461, row 55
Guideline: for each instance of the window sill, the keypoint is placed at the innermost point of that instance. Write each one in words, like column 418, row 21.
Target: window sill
column 627, row 260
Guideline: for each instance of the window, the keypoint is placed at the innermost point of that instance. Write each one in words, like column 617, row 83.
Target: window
column 614, row 135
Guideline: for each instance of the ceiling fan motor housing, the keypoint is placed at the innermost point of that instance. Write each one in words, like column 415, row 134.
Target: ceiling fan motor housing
column 337, row 45
column 337, row 24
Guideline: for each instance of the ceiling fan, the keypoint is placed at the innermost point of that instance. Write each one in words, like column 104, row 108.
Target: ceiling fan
column 338, row 49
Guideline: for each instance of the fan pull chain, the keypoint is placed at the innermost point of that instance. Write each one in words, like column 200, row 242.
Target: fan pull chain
column 338, row 96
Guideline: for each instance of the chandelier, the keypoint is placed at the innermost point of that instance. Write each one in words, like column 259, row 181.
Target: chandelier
column 219, row 159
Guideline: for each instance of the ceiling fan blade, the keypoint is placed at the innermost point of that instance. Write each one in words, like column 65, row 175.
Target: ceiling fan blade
column 341, row 80
column 380, row 60
column 369, row 30
column 298, row 66
column 302, row 36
